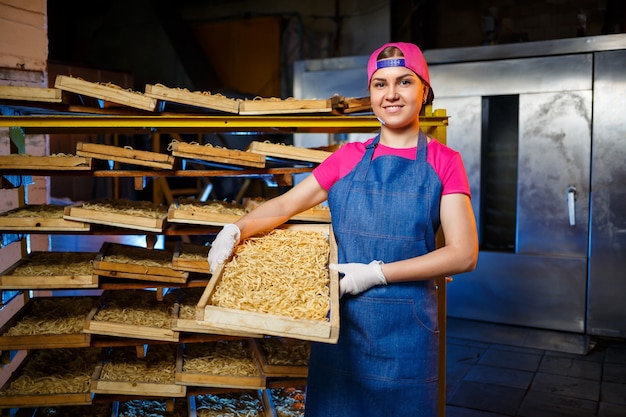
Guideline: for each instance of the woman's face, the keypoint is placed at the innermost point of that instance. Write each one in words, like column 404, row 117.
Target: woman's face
column 397, row 95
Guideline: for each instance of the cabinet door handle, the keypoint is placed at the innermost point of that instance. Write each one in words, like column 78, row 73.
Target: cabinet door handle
column 571, row 204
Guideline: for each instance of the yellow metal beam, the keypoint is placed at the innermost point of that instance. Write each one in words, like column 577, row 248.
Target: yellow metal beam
column 178, row 123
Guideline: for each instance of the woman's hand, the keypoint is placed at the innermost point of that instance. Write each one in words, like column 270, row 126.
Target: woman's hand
column 223, row 245
column 359, row 277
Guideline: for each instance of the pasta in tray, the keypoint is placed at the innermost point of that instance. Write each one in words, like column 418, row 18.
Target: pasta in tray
column 221, row 207
column 123, row 365
column 137, row 307
column 55, row 371
column 63, row 315
column 127, row 207
column 56, row 264
column 283, row 272
column 224, row 357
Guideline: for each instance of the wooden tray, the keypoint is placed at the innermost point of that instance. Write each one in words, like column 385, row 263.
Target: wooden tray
column 39, row 217
column 286, row 348
column 218, row 155
column 136, row 267
column 46, row 400
column 108, row 93
column 124, row 155
column 206, row 379
column 270, row 324
column 197, row 402
column 179, row 213
column 121, row 387
column 182, row 321
column 48, row 163
column 47, row 95
column 278, row 150
column 287, row 106
column 82, row 212
column 191, row 257
column 13, row 278
column 129, row 330
column 195, row 98
column 39, row 339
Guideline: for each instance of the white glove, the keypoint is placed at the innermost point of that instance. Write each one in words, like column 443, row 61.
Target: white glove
column 222, row 246
column 359, row 277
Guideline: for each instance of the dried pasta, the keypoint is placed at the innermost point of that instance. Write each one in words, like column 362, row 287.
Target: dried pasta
column 223, row 357
column 63, row 315
column 283, row 272
column 55, row 371
column 123, row 365
column 188, row 303
column 127, row 207
column 47, row 211
column 138, row 256
column 56, row 264
column 139, row 308
column 216, row 207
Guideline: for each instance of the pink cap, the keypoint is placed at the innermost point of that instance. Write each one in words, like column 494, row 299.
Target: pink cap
column 413, row 59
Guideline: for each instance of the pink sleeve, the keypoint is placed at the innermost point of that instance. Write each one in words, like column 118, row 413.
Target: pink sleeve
column 448, row 164
column 339, row 163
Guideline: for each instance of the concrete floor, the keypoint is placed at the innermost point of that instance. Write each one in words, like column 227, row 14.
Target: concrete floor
column 498, row 371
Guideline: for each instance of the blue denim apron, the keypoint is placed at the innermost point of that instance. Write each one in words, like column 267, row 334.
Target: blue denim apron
column 385, row 362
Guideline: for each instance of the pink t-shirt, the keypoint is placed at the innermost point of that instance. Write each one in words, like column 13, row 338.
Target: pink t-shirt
column 446, row 162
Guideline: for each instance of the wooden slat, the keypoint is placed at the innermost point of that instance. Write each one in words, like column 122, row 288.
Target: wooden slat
column 126, row 221
column 287, row 106
column 124, row 155
column 65, row 163
column 288, row 152
column 218, row 155
column 196, row 98
column 176, row 215
column 141, row 389
column 107, row 93
column 47, row 95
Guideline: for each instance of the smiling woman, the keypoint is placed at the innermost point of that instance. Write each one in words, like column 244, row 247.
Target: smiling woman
column 388, row 197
